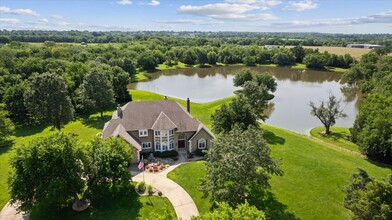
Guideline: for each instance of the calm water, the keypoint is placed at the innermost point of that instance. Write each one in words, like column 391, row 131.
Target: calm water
column 290, row 107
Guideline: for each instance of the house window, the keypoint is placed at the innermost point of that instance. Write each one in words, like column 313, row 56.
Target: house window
column 143, row 133
column 158, row 146
column 201, row 144
column 171, row 145
column 146, row 145
column 157, row 133
column 171, row 132
column 164, row 146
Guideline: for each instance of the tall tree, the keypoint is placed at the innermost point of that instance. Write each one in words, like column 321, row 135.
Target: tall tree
column 243, row 76
column 96, row 92
column 328, row 112
column 46, row 99
column 368, row 198
column 6, row 126
column 14, row 101
column 238, row 161
column 120, row 80
column 47, row 171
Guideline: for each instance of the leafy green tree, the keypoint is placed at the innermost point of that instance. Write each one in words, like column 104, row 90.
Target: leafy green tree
column 120, row 80
column 257, row 96
column 328, row 112
column 201, row 56
column 189, row 56
column 212, row 57
column 7, row 128
column 243, row 76
column 109, row 163
column 238, row 161
column 171, row 58
column 225, row 211
column 147, row 61
column 283, row 57
column 315, row 60
column 299, row 53
column 249, row 60
column 46, row 98
column 96, row 92
column 267, row 80
column 47, row 171
column 128, row 66
column 14, row 101
column 368, row 198
column 239, row 112
column 372, row 129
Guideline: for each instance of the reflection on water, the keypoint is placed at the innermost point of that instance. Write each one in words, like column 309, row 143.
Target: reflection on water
column 290, row 107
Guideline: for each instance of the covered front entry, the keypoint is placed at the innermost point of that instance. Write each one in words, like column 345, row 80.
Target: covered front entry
column 181, row 144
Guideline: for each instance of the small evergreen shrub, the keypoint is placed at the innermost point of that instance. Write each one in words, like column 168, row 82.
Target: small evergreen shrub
column 141, row 187
column 149, row 190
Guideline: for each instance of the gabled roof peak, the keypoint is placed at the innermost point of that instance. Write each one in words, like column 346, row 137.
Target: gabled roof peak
column 163, row 122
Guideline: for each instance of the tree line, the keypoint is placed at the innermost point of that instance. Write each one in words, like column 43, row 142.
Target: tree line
column 238, row 38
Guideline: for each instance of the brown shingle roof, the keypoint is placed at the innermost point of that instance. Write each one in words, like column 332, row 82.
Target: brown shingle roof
column 163, row 123
column 144, row 114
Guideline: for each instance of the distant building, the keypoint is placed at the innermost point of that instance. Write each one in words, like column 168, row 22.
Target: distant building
column 367, row 46
column 83, row 43
column 269, row 47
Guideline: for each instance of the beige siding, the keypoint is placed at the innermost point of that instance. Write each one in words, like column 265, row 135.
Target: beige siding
column 149, row 138
column 202, row 134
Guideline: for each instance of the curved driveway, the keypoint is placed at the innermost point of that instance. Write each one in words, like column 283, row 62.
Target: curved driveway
column 183, row 204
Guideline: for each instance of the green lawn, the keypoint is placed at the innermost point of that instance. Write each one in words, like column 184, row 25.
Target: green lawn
column 313, row 180
column 181, row 175
column 336, row 138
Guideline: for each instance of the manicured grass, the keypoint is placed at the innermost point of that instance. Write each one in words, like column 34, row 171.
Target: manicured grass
column 354, row 52
column 313, row 181
column 181, row 175
column 121, row 204
column 336, row 138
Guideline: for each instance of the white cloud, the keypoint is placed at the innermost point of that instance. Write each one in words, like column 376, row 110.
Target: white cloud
column 10, row 20
column 301, row 6
column 266, row 3
column 56, row 16
column 381, row 18
column 43, row 20
column 7, row 10
column 154, row 3
column 190, row 21
column 124, row 2
column 229, row 11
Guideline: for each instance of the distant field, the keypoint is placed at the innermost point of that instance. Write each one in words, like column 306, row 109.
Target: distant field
column 354, row 52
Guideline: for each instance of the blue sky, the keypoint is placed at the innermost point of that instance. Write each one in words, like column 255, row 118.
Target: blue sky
column 329, row 16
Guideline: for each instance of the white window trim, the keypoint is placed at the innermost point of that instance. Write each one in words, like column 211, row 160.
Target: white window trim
column 160, row 146
column 201, row 141
column 143, row 133
column 146, row 143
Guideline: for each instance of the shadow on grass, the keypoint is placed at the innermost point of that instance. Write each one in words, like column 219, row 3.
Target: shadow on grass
column 5, row 146
column 266, row 201
column 25, row 131
column 271, row 138
column 120, row 203
column 94, row 121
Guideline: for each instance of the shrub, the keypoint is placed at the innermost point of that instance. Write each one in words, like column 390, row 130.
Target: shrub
column 171, row 153
column 141, row 187
column 200, row 152
column 149, row 190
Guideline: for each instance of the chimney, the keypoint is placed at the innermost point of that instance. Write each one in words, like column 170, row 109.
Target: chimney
column 119, row 111
column 165, row 98
column 188, row 105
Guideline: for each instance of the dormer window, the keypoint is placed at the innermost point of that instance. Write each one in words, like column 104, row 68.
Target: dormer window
column 171, row 132
column 143, row 133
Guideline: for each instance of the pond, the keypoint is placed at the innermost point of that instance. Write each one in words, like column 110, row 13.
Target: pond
column 290, row 107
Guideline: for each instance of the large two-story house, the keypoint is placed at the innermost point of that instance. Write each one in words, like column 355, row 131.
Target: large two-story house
column 151, row 126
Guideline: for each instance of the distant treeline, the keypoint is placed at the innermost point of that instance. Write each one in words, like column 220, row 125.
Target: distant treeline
column 197, row 38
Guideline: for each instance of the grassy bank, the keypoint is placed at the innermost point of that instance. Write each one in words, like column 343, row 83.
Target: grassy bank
column 313, row 181
column 336, row 138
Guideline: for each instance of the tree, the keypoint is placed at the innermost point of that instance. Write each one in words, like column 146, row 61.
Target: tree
column 239, row 112
column 267, row 80
column 257, row 97
column 282, row 58
column 368, row 198
column 109, row 163
column 372, row 130
column 202, row 58
column 6, row 126
column 243, row 76
column 328, row 112
column 225, row 211
column 46, row 99
column 120, row 80
column 299, row 53
column 47, row 171
column 212, row 57
column 96, row 92
column 238, row 161
column 128, row 66
column 249, row 60
column 147, row 61
column 315, row 60
column 14, row 101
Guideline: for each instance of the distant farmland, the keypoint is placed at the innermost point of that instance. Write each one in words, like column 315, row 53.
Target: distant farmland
column 354, row 52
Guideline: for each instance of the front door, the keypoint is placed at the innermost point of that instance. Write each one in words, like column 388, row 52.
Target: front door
column 181, row 143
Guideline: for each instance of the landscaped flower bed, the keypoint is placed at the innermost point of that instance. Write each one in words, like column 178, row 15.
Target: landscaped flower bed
column 156, row 167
